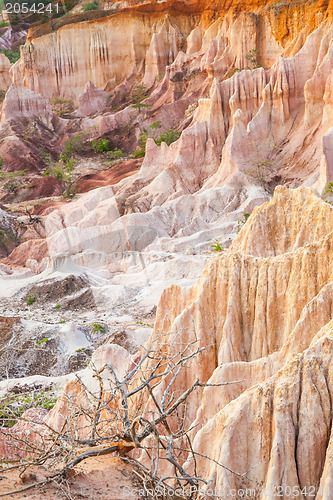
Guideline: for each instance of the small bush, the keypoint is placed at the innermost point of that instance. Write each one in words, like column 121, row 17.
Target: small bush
column 116, row 154
column 12, row 406
column 97, row 328
column 169, row 136
column 90, row 6
column 62, row 106
column 216, row 246
column 41, row 342
column 139, row 94
column 253, row 59
column 139, row 153
column 2, row 95
column 156, row 124
column 62, row 171
column 31, row 300
column 12, row 55
column 241, row 222
column 329, row 189
column 76, row 145
column 101, row 146
column 59, row 173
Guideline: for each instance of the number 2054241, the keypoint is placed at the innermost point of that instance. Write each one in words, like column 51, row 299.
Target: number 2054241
column 25, row 8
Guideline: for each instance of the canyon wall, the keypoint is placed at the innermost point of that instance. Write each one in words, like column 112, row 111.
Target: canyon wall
column 262, row 315
column 148, row 39
column 248, row 88
column 263, row 310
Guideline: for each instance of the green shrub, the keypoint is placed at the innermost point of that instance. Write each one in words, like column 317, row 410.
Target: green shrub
column 12, row 55
column 12, row 406
column 62, row 106
column 100, row 146
column 76, row 145
column 169, row 136
column 2, row 95
column 97, row 328
column 31, row 300
column 139, row 153
column 253, row 59
column 41, row 342
column 216, row 246
column 59, row 173
column 109, row 164
column 329, row 189
column 139, row 94
column 242, row 221
column 156, row 124
column 62, row 170
column 90, row 6
column 115, row 154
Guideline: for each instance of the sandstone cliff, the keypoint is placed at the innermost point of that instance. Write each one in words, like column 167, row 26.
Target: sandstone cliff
column 264, row 314
column 265, row 308
column 248, row 88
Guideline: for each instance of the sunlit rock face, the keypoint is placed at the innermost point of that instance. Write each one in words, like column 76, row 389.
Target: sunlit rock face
column 5, row 77
column 263, row 313
column 263, row 309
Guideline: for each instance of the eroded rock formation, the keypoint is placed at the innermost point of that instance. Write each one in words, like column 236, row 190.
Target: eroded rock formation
column 263, row 312
column 249, row 90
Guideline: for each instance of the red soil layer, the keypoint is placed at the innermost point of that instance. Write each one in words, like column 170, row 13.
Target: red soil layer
column 110, row 176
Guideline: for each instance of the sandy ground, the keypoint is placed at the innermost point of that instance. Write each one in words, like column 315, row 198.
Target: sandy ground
column 103, row 478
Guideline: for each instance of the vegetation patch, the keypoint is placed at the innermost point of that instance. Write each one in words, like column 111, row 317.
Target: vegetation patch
column 12, row 406
column 90, row 6
column 138, row 95
column 62, row 106
column 169, row 136
column 217, row 246
column 12, row 55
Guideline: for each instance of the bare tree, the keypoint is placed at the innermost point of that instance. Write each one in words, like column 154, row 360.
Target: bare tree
column 125, row 415
column 263, row 168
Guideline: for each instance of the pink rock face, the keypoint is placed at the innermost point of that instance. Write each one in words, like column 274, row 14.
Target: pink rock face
column 17, row 442
column 93, row 101
column 5, row 77
column 12, row 36
column 264, row 306
column 21, row 103
column 17, row 155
